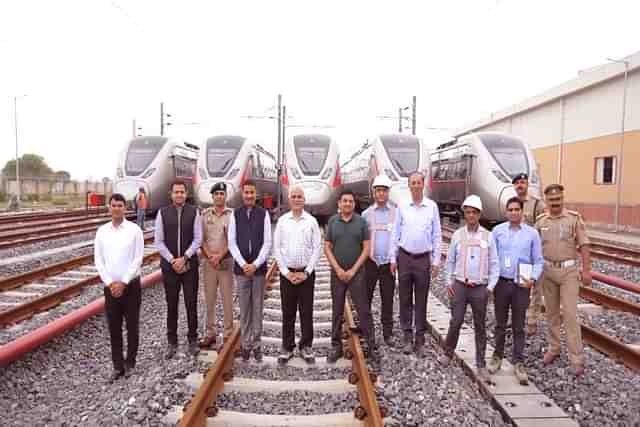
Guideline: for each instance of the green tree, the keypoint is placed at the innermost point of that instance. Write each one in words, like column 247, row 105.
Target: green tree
column 30, row 165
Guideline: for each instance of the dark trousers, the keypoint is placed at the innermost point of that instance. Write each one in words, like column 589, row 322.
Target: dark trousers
column 382, row 275
column 477, row 297
column 188, row 281
column 126, row 307
column 358, row 290
column 297, row 298
column 414, row 278
column 509, row 295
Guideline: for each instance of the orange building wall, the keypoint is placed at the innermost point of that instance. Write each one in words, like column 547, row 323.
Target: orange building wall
column 595, row 202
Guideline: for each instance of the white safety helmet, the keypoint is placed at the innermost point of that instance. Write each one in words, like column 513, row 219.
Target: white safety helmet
column 382, row 181
column 473, row 201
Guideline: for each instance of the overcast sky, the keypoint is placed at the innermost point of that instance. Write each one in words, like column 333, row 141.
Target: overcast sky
column 89, row 67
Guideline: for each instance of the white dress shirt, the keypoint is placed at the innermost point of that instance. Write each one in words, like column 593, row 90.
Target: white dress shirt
column 118, row 252
column 417, row 230
column 297, row 242
column 264, row 250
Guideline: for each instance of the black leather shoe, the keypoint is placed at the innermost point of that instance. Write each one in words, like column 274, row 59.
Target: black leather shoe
column 420, row 352
column 128, row 369
column 171, row 351
column 115, row 375
column 388, row 340
column 335, row 354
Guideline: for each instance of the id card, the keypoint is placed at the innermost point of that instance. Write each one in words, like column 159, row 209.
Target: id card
column 507, row 262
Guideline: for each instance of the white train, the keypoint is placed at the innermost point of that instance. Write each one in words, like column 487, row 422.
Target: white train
column 153, row 163
column 311, row 160
column 482, row 163
column 395, row 155
column 233, row 159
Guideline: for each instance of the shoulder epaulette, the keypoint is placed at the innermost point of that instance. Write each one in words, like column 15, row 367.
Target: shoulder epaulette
column 542, row 215
column 574, row 213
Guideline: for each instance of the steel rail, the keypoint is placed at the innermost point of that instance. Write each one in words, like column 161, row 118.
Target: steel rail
column 368, row 411
column 609, row 301
column 25, row 217
column 48, row 301
column 203, row 404
column 46, row 223
column 610, row 346
column 64, row 226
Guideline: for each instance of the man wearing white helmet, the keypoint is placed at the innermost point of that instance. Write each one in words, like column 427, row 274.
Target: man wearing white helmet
column 380, row 218
column 472, row 269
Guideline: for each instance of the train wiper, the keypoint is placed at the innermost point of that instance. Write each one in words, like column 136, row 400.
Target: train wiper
column 398, row 165
column 304, row 165
column 224, row 166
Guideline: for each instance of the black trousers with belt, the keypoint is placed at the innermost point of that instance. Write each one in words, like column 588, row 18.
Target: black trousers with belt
column 188, row 281
column 126, row 307
column 358, row 291
column 381, row 274
column 296, row 298
column 414, row 278
column 509, row 295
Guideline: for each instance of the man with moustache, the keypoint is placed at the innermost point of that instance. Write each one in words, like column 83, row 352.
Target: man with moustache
column 297, row 245
column 249, row 244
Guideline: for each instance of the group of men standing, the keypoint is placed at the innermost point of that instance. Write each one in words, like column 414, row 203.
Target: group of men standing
column 363, row 251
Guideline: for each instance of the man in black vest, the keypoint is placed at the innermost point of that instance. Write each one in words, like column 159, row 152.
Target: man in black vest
column 178, row 236
column 249, row 244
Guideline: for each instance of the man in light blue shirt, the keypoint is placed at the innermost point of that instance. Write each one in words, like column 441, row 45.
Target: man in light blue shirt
column 380, row 218
column 521, row 262
column 472, row 268
column 416, row 255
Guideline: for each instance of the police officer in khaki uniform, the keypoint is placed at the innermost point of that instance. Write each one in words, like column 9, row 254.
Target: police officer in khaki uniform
column 563, row 233
column 532, row 208
column 217, row 264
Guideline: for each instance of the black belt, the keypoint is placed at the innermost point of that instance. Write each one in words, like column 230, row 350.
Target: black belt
column 297, row 270
column 506, row 279
column 422, row 255
column 471, row 284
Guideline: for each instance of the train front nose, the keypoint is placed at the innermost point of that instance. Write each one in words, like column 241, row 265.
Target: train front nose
column 316, row 193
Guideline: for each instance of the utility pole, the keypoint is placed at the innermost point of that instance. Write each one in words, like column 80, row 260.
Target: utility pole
column 413, row 115
column 400, row 120
column 162, row 119
column 15, row 123
column 278, row 154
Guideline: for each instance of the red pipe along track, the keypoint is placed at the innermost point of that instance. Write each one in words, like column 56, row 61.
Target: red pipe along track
column 616, row 282
column 26, row 343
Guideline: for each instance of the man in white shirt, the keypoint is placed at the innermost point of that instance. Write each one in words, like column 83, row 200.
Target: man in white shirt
column 118, row 251
column 416, row 254
column 297, row 245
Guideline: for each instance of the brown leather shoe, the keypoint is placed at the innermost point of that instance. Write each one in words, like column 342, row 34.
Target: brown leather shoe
column 207, row 342
column 549, row 357
column 532, row 329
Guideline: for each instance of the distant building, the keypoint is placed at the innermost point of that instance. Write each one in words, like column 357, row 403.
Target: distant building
column 575, row 132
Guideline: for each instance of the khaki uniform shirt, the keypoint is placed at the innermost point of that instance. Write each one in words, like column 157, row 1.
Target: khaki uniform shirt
column 214, row 232
column 533, row 207
column 561, row 235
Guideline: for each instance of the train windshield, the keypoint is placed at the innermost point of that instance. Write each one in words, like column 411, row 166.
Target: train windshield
column 510, row 153
column 141, row 153
column 312, row 152
column 403, row 151
column 221, row 153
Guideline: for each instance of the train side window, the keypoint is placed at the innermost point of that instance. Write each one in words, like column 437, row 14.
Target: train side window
column 435, row 172
column 462, row 169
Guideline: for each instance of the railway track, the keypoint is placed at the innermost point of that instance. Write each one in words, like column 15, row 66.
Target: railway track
column 203, row 408
column 27, row 294
column 615, row 253
column 27, row 234
column 44, row 216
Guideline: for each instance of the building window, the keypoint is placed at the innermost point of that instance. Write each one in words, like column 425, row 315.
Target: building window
column 605, row 170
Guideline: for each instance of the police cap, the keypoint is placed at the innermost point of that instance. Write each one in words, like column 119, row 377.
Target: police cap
column 219, row 186
column 553, row 190
column 519, row 177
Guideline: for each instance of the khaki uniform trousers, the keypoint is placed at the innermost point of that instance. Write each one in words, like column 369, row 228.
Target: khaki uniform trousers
column 223, row 280
column 534, row 312
column 561, row 287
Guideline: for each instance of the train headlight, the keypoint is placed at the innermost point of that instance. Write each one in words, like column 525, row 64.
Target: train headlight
column 391, row 174
column 296, row 173
column 233, row 173
column 148, row 173
column 119, row 173
column 327, row 173
column 501, row 175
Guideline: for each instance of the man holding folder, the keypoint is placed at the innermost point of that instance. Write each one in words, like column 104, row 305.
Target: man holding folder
column 520, row 253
